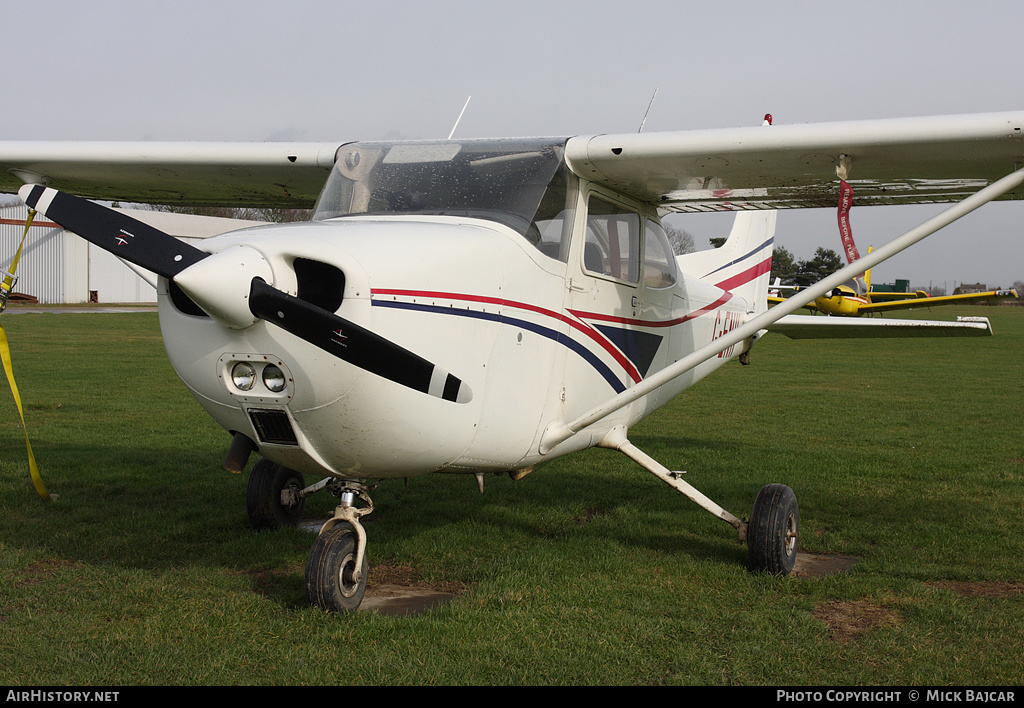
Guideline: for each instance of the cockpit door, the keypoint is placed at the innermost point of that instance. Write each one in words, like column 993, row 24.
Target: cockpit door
column 606, row 303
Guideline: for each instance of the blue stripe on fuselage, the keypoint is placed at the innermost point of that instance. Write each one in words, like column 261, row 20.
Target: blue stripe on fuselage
column 551, row 334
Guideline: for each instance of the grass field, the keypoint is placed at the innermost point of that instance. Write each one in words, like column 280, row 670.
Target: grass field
column 906, row 454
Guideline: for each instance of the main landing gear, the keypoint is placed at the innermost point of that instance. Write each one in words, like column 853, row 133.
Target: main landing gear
column 336, row 571
column 272, row 496
column 773, row 530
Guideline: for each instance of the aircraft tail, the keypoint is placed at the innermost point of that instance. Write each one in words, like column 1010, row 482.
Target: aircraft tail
column 867, row 277
column 742, row 265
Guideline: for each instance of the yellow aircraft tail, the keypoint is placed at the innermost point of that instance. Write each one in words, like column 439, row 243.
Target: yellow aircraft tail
column 867, row 278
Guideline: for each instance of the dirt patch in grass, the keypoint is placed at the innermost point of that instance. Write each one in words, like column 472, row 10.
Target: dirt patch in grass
column 40, row 571
column 980, row 588
column 818, row 565
column 389, row 578
column 589, row 513
column 393, row 589
column 847, row 620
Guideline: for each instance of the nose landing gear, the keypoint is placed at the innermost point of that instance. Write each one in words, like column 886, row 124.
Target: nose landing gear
column 336, row 571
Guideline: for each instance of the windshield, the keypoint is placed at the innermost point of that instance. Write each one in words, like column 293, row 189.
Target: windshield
column 520, row 183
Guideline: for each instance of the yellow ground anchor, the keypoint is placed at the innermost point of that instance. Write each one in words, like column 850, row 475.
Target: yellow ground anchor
column 6, row 286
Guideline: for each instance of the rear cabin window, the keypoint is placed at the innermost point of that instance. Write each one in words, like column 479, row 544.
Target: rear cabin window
column 659, row 258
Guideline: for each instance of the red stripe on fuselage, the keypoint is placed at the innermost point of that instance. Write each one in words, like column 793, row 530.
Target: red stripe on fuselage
column 710, row 307
column 577, row 321
column 582, row 327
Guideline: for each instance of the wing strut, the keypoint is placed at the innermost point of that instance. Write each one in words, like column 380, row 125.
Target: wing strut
column 616, row 440
column 558, row 432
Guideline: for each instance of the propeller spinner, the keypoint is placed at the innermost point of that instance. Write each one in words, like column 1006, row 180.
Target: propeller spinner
column 232, row 286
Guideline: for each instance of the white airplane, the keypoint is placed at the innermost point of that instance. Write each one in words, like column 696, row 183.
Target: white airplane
column 484, row 306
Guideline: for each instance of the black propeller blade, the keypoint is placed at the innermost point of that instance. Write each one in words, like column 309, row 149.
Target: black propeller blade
column 150, row 248
column 125, row 237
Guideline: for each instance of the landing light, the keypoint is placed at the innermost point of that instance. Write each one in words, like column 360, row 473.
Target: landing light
column 273, row 378
column 243, row 375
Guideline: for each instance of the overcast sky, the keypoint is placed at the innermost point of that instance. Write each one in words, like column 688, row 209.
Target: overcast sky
column 340, row 70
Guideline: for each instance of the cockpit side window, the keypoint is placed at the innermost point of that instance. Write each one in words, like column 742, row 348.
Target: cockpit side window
column 552, row 225
column 612, row 245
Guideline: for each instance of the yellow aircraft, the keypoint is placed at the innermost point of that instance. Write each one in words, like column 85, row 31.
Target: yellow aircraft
column 857, row 298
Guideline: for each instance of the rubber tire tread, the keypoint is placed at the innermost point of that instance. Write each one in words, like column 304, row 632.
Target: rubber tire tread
column 263, row 496
column 767, row 528
column 323, row 569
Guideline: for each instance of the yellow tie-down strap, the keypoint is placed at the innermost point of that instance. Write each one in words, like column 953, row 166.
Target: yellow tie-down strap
column 5, row 353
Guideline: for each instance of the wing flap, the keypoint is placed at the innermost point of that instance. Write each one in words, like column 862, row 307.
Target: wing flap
column 897, row 161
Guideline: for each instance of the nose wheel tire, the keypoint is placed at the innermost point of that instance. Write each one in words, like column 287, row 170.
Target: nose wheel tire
column 331, row 581
column 773, row 530
column 263, row 496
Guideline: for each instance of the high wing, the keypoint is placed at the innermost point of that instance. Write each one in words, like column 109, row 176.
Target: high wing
column 193, row 173
column 917, row 303
column 896, row 161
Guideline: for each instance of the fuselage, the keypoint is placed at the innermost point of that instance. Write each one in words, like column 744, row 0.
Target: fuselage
column 542, row 322
column 842, row 301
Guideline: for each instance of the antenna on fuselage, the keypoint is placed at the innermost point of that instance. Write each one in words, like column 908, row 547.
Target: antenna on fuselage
column 648, row 111
column 458, row 119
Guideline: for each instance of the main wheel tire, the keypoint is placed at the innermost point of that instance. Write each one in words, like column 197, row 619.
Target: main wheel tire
column 263, row 496
column 330, row 569
column 773, row 530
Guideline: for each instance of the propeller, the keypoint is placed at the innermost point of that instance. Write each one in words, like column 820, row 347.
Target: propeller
column 202, row 277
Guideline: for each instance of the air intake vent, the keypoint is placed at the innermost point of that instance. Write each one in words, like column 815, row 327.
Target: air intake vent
column 272, row 427
column 183, row 302
column 319, row 284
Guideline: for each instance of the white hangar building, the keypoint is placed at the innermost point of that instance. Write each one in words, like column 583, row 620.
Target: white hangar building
column 57, row 267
